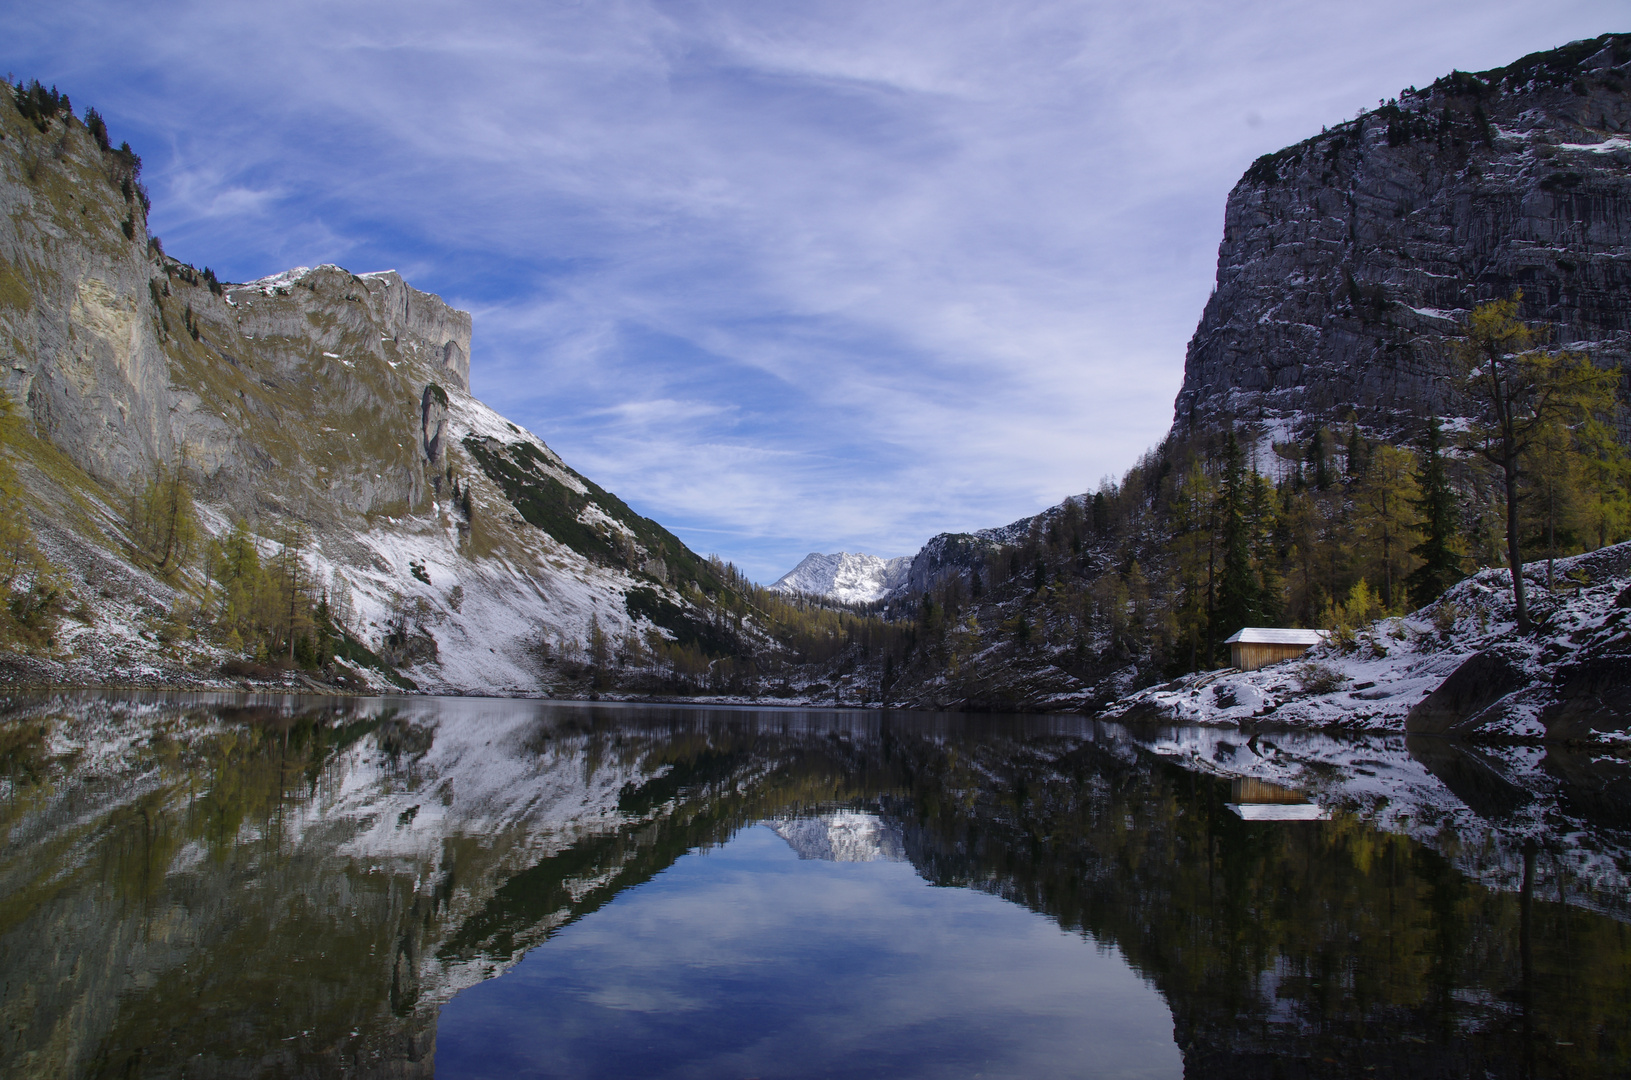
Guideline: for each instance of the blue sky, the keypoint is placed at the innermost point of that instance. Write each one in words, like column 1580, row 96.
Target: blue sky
column 787, row 277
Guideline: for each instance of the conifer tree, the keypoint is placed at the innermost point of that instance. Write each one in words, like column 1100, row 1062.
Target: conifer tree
column 31, row 588
column 1317, row 457
column 1263, row 523
column 1386, row 495
column 1358, row 453
column 1439, row 514
column 163, row 522
column 1237, row 586
column 1552, row 483
column 1606, row 480
column 1193, row 507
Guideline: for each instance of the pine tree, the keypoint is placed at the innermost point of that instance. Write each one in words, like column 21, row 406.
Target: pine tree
column 1263, row 525
column 1439, row 516
column 1606, row 482
column 31, row 588
column 1552, row 483
column 1193, row 506
column 1237, row 586
column 1317, row 457
column 1358, row 453
column 163, row 522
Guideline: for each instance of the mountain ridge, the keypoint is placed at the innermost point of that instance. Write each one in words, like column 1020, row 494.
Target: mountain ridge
column 325, row 418
column 847, row 577
column 1350, row 257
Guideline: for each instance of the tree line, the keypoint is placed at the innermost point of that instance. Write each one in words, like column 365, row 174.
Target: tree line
column 1208, row 534
column 1147, row 577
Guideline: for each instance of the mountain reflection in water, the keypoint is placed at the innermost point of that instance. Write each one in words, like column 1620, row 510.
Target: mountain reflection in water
column 197, row 886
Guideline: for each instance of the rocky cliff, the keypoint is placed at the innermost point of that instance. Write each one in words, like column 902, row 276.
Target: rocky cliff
column 1347, row 263
column 1347, row 258
column 329, row 412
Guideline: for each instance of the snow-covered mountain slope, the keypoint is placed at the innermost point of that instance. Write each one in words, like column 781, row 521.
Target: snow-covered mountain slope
column 1457, row 667
column 846, row 577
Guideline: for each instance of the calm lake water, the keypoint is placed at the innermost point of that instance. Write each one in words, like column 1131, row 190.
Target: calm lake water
column 198, row 886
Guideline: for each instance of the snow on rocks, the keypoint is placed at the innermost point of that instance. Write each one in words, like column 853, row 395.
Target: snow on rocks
column 1456, row 667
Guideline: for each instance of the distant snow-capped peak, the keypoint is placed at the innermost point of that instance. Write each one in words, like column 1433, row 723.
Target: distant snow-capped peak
column 850, row 578
column 844, row 836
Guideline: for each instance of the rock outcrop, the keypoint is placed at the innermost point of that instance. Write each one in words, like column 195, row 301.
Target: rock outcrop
column 1347, row 264
column 1348, row 258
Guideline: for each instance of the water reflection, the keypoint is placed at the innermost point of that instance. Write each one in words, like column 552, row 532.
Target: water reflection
column 197, row 886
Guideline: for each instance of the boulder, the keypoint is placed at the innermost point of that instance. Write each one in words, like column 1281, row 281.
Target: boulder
column 1458, row 705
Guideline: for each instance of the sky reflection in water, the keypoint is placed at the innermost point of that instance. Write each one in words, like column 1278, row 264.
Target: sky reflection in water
column 749, row 961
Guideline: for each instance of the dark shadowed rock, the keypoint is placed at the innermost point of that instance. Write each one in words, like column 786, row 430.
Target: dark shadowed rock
column 1592, row 785
column 1592, row 692
column 1455, row 708
column 1477, row 778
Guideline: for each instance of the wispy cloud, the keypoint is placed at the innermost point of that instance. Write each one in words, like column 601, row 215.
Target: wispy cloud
column 785, row 277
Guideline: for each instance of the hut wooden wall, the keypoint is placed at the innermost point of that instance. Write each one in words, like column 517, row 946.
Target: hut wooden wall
column 1250, row 655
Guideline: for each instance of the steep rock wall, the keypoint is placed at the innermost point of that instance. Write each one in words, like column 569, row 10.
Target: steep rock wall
column 78, row 348
column 1348, row 258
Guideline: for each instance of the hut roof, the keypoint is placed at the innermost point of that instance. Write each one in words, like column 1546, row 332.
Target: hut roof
column 1268, row 635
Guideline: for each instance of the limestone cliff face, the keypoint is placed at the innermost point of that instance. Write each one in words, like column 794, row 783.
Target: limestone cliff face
column 122, row 357
column 320, row 406
column 1347, row 258
column 76, row 338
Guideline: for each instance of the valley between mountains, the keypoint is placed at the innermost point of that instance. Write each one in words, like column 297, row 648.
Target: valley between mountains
column 286, row 483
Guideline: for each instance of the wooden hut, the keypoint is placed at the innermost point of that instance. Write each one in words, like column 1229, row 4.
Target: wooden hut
column 1259, row 800
column 1259, row 646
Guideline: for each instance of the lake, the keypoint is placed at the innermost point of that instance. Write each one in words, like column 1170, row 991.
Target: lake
column 217, row 885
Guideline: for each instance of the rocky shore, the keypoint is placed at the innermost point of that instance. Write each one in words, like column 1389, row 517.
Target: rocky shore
column 1458, row 667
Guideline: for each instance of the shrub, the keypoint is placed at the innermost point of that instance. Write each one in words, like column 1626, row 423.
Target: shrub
column 39, row 105
column 1444, row 619
column 1314, row 677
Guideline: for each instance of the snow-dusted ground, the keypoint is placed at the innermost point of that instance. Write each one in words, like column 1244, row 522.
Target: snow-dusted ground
column 1373, row 683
